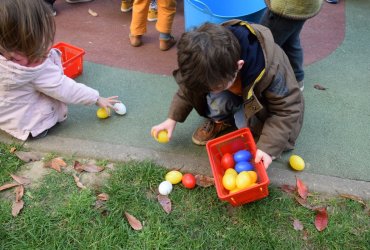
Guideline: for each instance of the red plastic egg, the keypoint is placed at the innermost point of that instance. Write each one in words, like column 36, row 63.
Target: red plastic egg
column 188, row 180
column 227, row 161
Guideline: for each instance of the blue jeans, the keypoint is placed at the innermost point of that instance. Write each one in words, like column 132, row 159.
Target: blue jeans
column 286, row 34
column 227, row 107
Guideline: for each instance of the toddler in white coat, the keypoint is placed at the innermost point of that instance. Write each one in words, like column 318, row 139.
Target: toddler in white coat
column 34, row 92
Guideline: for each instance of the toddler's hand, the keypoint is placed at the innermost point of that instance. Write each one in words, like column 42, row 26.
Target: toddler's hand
column 168, row 125
column 266, row 158
column 107, row 102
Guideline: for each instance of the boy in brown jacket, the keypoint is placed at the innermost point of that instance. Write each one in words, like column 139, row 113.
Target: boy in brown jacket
column 236, row 74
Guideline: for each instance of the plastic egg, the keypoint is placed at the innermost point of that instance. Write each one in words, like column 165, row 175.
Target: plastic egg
column 243, row 180
column 119, row 108
column 165, row 188
column 227, row 161
column 174, row 176
column 242, row 155
column 162, row 137
column 244, row 166
column 231, row 171
column 102, row 113
column 229, row 181
column 253, row 176
column 296, row 162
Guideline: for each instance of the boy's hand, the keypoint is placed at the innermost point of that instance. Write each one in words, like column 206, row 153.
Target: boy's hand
column 266, row 158
column 168, row 125
column 107, row 102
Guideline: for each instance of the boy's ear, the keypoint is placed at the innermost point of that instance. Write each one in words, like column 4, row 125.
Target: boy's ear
column 240, row 64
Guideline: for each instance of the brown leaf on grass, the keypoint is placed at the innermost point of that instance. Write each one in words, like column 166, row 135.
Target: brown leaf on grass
column 93, row 13
column 305, row 235
column 19, row 191
column 297, row 225
column 20, row 179
column 8, row 185
column 204, row 181
column 165, row 203
column 303, row 203
column 92, row 168
column 354, row 198
column 321, row 219
column 17, row 207
column 288, row 188
column 319, row 87
column 56, row 164
column 28, row 156
column 78, row 183
column 134, row 223
column 78, row 166
column 12, row 150
column 302, row 189
column 103, row 197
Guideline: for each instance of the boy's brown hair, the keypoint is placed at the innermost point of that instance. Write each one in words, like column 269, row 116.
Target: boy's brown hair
column 207, row 57
column 27, row 27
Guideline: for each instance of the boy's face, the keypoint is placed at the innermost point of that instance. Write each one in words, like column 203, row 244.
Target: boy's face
column 21, row 59
column 224, row 85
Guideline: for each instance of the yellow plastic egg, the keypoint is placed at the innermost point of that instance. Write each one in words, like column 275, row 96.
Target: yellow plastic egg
column 231, row 171
column 162, row 137
column 173, row 176
column 253, row 176
column 296, row 162
column 102, row 113
column 243, row 180
column 229, row 181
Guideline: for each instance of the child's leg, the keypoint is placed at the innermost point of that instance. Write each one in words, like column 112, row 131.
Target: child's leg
column 222, row 106
column 166, row 15
column 139, row 16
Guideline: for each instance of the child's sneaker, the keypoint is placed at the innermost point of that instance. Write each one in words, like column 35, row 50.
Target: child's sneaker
column 126, row 5
column 166, row 44
column 135, row 41
column 208, row 131
column 153, row 12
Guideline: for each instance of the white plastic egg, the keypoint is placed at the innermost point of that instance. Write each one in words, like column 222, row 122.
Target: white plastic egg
column 120, row 108
column 165, row 188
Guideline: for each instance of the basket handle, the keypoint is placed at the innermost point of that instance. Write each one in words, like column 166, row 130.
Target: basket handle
column 202, row 6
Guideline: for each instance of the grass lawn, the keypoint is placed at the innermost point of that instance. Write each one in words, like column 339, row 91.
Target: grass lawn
column 59, row 215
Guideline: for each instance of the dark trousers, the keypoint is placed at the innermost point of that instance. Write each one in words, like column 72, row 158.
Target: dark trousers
column 50, row 1
column 286, row 34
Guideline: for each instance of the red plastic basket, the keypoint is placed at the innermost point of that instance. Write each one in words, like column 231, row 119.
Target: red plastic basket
column 231, row 143
column 72, row 59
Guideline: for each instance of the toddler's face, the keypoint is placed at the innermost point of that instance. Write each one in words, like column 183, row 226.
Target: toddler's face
column 224, row 86
column 20, row 59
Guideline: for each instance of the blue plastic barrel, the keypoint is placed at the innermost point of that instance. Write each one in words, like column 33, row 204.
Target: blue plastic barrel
column 198, row 12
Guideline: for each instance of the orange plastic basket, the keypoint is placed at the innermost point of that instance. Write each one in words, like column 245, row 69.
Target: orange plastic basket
column 72, row 59
column 231, row 143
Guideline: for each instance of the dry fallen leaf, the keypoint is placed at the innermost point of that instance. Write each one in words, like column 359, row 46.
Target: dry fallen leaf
column 319, row 87
column 321, row 219
column 93, row 13
column 28, row 156
column 12, row 150
column 78, row 166
column 204, row 181
column 297, row 224
column 288, row 188
column 103, row 197
column 20, row 179
column 134, row 223
column 302, row 189
column 165, row 203
column 8, row 185
column 56, row 164
column 354, row 198
column 17, row 207
column 19, row 191
column 78, row 183
column 92, row 168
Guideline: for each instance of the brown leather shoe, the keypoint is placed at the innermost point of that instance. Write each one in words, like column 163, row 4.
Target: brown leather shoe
column 166, row 44
column 207, row 131
column 135, row 41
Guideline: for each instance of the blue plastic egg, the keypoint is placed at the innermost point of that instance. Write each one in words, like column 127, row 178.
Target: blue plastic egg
column 243, row 166
column 242, row 155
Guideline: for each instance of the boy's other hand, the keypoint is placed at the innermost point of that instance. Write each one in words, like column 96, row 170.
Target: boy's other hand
column 266, row 158
column 168, row 125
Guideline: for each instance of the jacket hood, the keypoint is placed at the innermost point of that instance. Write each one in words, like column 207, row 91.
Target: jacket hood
column 12, row 75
